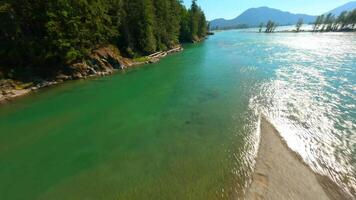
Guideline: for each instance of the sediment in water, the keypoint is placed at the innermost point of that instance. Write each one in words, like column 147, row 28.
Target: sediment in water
column 280, row 173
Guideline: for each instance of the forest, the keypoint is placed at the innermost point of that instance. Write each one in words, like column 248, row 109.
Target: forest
column 47, row 35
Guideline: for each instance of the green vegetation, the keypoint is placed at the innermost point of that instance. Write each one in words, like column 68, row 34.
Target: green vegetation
column 261, row 27
column 299, row 25
column 271, row 26
column 141, row 59
column 344, row 22
column 239, row 26
column 44, row 36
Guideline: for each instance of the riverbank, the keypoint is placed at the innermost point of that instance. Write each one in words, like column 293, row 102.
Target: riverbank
column 102, row 62
column 312, row 31
column 281, row 174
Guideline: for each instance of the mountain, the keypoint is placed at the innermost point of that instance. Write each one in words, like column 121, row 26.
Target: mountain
column 254, row 16
column 347, row 7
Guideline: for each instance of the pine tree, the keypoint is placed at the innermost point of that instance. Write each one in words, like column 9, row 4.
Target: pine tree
column 202, row 28
column 185, row 32
column 139, row 26
column 45, row 34
column 174, row 18
column 194, row 21
column 162, row 12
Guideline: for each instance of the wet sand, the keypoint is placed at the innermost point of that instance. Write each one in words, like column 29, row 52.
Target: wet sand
column 281, row 174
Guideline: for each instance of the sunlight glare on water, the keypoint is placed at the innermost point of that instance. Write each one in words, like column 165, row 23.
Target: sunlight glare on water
column 186, row 127
column 312, row 101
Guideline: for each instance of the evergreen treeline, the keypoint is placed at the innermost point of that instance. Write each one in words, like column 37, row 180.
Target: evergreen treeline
column 345, row 21
column 53, row 33
column 239, row 26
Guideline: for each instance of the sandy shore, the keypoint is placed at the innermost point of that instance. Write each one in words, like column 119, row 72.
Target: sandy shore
column 281, row 174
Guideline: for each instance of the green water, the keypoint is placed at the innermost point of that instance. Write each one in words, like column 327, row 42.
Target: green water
column 163, row 131
column 184, row 128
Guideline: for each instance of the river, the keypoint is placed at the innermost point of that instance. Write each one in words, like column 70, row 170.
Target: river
column 186, row 127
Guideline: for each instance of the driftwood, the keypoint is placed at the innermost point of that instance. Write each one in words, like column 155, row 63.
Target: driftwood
column 99, row 65
column 162, row 54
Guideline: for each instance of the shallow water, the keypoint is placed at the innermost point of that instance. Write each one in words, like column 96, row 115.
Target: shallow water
column 186, row 127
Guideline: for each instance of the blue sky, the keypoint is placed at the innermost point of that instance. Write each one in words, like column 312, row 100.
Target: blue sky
column 232, row 8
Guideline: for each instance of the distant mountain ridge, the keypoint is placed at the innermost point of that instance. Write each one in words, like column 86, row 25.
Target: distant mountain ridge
column 254, row 16
column 346, row 7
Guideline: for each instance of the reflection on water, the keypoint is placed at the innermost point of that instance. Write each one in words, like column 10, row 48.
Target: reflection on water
column 186, row 127
column 312, row 101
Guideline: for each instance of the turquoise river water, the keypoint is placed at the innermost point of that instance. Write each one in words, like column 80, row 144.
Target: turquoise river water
column 186, row 127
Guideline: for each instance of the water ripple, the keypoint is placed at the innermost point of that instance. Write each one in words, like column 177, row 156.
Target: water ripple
column 312, row 99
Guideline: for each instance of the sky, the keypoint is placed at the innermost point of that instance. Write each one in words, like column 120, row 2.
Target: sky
column 229, row 9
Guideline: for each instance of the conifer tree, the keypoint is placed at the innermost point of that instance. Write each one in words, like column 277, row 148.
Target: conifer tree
column 48, row 34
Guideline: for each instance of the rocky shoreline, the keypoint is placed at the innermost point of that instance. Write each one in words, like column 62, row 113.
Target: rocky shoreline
column 102, row 62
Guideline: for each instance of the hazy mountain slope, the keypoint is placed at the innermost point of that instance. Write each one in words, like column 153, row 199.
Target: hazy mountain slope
column 346, row 7
column 254, row 16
